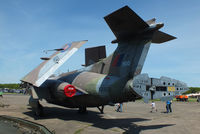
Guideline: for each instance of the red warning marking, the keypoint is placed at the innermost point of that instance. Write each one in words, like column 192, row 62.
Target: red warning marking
column 69, row 90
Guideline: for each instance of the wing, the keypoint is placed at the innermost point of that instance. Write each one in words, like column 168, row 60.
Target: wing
column 48, row 67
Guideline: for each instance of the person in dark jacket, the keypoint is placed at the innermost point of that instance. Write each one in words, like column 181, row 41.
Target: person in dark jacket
column 167, row 106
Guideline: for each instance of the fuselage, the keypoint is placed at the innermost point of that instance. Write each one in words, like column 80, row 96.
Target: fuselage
column 101, row 89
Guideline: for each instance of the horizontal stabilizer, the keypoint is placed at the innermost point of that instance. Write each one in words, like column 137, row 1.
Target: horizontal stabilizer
column 51, row 64
column 124, row 22
column 160, row 37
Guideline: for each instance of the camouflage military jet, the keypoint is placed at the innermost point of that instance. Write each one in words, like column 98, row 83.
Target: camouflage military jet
column 104, row 80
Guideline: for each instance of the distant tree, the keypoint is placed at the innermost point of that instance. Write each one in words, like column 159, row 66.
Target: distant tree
column 193, row 90
column 10, row 86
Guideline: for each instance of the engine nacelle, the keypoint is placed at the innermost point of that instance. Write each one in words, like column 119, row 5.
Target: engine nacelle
column 68, row 89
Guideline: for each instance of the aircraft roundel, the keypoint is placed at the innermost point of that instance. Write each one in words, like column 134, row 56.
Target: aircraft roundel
column 69, row 90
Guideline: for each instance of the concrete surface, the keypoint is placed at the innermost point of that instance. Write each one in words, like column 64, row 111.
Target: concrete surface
column 136, row 118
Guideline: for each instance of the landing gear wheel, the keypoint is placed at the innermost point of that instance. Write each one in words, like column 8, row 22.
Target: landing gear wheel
column 39, row 110
column 101, row 109
column 82, row 110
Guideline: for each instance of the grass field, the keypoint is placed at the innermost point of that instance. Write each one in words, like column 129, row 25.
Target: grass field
column 174, row 99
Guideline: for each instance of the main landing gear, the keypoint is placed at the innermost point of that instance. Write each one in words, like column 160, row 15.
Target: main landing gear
column 39, row 110
column 82, row 110
column 36, row 106
column 101, row 109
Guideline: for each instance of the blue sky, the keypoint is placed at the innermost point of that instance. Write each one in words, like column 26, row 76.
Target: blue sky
column 29, row 27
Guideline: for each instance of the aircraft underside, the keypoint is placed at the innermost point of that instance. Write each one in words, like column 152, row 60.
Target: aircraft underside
column 82, row 102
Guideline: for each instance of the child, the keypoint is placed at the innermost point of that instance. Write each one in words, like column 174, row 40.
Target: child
column 119, row 107
column 153, row 106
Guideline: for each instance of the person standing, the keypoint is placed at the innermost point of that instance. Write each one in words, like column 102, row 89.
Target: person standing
column 167, row 106
column 170, row 107
column 119, row 107
column 198, row 98
column 153, row 106
column 1, row 94
column 121, row 104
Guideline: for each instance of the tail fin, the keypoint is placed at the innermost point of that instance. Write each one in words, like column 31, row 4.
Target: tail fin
column 134, row 37
column 50, row 65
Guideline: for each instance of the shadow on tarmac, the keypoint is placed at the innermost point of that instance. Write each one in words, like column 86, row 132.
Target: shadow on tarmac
column 96, row 119
column 134, row 129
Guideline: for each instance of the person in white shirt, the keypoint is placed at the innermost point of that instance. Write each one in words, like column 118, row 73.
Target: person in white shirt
column 153, row 106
